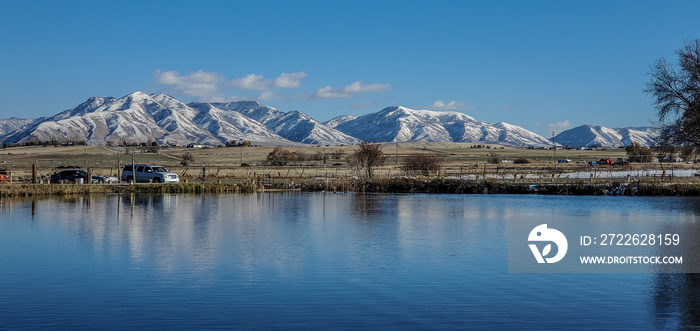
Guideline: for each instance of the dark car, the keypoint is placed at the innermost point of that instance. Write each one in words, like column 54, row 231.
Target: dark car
column 621, row 161
column 74, row 176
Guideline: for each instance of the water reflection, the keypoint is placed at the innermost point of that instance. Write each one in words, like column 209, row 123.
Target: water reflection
column 367, row 206
column 676, row 296
column 427, row 261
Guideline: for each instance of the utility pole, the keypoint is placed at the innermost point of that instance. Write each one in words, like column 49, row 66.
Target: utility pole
column 397, row 153
column 34, row 172
column 554, row 147
column 133, row 168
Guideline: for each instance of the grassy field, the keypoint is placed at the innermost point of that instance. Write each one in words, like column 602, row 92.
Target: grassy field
column 224, row 163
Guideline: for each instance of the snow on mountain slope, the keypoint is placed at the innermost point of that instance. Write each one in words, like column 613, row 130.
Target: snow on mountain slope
column 401, row 124
column 596, row 135
column 295, row 125
column 136, row 117
column 232, row 125
column 139, row 118
column 515, row 135
column 338, row 120
column 14, row 124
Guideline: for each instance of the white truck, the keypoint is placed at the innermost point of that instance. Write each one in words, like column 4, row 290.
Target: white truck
column 146, row 173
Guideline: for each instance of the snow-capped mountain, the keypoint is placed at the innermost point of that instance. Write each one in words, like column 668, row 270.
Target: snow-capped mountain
column 231, row 125
column 140, row 118
column 294, row 125
column 14, row 124
column 134, row 118
column 596, row 135
column 400, row 124
column 338, row 120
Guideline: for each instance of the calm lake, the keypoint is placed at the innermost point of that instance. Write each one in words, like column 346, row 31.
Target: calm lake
column 319, row 260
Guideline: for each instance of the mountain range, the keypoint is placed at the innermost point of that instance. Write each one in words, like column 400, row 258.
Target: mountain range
column 140, row 118
column 596, row 135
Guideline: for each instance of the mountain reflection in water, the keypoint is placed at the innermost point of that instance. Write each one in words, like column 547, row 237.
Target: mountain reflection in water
column 320, row 260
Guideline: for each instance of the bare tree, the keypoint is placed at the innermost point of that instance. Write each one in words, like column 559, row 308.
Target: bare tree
column 187, row 158
column 365, row 159
column 676, row 92
column 638, row 153
column 424, row 164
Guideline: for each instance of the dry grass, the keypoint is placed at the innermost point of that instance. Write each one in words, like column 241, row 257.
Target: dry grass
column 465, row 170
column 460, row 161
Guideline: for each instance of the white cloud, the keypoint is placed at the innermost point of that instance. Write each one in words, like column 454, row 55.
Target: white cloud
column 251, row 82
column 207, row 86
column 450, row 105
column 558, row 127
column 348, row 91
column 200, row 84
column 266, row 95
column 357, row 87
column 259, row 83
column 331, row 93
column 289, row 80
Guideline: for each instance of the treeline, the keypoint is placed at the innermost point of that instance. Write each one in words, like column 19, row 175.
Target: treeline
column 280, row 156
column 637, row 153
column 151, row 145
column 363, row 161
column 52, row 142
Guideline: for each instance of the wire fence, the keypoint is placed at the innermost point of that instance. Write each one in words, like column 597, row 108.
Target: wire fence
column 228, row 171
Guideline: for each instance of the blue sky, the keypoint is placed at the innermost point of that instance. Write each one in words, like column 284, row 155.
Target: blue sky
column 545, row 65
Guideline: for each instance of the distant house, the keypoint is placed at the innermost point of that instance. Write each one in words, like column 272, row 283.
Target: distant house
column 193, row 145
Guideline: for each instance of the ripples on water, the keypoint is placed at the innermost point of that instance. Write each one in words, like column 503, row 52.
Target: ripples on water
column 291, row 260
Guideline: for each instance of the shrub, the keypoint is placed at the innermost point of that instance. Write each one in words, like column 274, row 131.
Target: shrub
column 279, row 157
column 424, row 164
column 337, row 155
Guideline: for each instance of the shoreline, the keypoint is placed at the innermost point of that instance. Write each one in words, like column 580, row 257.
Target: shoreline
column 399, row 185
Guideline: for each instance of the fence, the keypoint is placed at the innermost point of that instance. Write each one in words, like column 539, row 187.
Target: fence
column 465, row 168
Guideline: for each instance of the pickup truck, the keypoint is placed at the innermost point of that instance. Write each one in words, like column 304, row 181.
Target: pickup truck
column 149, row 174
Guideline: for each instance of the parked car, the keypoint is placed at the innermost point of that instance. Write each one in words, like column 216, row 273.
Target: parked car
column 621, row 161
column 564, row 161
column 73, row 176
column 69, row 176
column 110, row 179
column 5, row 176
column 98, row 179
column 146, row 173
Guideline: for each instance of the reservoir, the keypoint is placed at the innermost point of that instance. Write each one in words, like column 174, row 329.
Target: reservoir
column 295, row 260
